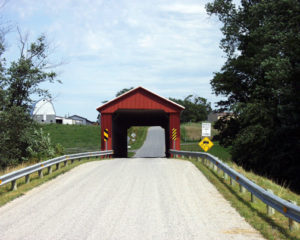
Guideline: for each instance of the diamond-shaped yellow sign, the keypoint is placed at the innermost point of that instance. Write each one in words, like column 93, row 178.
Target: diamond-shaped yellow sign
column 205, row 144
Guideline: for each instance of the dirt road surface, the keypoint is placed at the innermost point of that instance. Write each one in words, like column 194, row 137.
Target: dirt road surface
column 141, row 198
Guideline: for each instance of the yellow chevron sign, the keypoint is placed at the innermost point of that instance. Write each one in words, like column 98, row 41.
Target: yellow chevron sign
column 174, row 134
column 105, row 133
column 206, row 144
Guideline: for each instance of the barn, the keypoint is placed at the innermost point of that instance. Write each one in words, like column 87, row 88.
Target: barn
column 43, row 111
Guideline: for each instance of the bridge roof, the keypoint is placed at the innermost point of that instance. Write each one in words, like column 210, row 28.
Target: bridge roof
column 142, row 99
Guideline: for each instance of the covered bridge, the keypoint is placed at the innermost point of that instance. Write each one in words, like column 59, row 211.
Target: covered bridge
column 138, row 107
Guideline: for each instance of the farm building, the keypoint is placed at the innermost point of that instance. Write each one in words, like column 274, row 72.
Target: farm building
column 81, row 120
column 43, row 111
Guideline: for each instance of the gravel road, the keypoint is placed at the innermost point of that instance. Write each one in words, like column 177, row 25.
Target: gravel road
column 154, row 145
column 138, row 198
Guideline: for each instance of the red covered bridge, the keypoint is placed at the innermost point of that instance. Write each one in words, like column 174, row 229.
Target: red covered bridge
column 138, row 107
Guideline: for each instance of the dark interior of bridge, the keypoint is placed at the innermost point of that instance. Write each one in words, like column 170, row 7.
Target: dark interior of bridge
column 124, row 119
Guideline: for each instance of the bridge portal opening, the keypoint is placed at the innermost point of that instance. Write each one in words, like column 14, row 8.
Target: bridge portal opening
column 123, row 119
column 146, row 142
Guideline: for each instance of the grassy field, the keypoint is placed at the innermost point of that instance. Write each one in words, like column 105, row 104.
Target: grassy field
column 75, row 138
column 191, row 132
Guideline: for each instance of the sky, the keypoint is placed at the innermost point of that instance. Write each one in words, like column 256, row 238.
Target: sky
column 170, row 47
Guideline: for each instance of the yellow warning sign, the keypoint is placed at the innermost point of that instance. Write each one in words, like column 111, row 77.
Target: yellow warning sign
column 174, row 134
column 206, row 144
column 105, row 133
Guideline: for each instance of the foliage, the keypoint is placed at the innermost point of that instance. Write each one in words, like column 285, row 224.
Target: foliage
column 261, row 82
column 18, row 82
column 40, row 145
column 15, row 132
column 196, row 108
column 124, row 90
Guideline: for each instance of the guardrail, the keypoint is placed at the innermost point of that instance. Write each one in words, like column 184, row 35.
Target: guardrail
column 288, row 209
column 39, row 167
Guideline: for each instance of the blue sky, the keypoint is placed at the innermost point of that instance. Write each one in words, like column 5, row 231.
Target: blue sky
column 169, row 47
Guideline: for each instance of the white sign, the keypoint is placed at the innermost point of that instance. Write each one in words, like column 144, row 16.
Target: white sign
column 206, row 129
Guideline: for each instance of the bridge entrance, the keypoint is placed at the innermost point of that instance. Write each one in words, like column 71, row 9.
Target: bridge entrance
column 138, row 107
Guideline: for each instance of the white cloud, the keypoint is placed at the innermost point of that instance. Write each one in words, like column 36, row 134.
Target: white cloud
column 184, row 8
column 171, row 48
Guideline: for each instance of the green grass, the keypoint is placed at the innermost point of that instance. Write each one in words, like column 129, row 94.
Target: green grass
column 271, row 227
column 75, row 138
column 6, row 195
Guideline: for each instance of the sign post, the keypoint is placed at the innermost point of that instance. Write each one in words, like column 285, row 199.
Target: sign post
column 206, row 143
column 105, row 134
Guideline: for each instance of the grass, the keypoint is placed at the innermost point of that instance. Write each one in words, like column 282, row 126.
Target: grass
column 141, row 134
column 6, row 195
column 191, row 132
column 75, row 138
column 271, row 227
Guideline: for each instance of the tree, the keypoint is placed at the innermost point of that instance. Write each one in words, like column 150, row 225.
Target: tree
column 124, row 90
column 18, row 83
column 196, row 108
column 261, row 82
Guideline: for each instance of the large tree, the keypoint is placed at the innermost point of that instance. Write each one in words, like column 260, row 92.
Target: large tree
column 196, row 108
column 19, row 81
column 261, row 82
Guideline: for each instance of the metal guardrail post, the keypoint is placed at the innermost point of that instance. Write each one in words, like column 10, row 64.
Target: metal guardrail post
column 253, row 198
column 270, row 210
column 41, row 175
column 292, row 224
column 242, row 189
column 27, row 178
column 14, row 185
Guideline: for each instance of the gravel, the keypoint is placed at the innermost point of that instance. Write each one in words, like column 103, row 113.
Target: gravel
column 139, row 198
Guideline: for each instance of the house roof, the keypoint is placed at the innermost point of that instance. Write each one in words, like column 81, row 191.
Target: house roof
column 155, row 98
column 80, row 117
